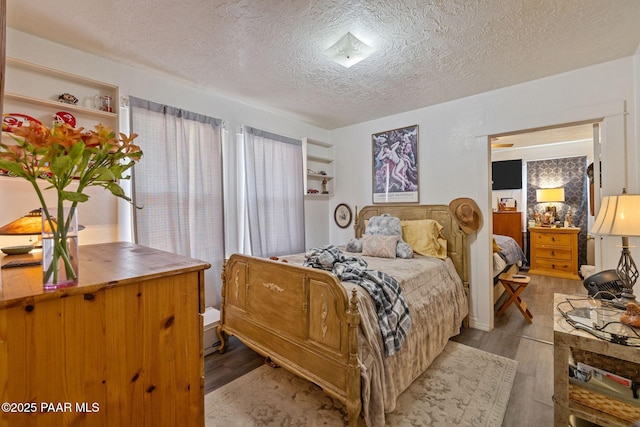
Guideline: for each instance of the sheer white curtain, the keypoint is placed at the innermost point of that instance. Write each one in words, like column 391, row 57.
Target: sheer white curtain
column 179, row 186
column 273, row 199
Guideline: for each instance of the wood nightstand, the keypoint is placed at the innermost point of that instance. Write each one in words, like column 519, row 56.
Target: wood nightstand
column 554, row 252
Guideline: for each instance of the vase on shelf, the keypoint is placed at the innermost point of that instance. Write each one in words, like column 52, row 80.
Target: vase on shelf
column 59, row 247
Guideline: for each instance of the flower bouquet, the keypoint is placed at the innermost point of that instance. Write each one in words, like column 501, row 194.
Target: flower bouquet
column 63, row 155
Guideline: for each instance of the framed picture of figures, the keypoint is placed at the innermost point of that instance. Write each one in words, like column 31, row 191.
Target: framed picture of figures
column 395, row 165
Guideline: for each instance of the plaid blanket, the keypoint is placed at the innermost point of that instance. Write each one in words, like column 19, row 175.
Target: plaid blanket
column 393, row 312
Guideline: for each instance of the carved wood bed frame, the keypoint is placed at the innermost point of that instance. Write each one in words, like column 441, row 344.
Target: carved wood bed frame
column 303, row 319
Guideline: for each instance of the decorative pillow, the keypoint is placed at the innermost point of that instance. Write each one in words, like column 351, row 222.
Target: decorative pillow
column 425, row 237
column 385, row 225
column 354, row 245
column 404, row 250
column 379, row 246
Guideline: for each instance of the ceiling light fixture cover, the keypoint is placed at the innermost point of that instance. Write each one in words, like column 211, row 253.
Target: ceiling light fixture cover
column 349, row 50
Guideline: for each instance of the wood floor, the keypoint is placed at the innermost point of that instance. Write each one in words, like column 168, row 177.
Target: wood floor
column 530, row 344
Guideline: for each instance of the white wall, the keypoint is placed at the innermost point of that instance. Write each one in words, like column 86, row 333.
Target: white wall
column 17, row 199
column 454, row 150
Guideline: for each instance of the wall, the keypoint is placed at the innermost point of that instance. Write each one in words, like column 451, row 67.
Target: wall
column 18, row 199
column 454, row 154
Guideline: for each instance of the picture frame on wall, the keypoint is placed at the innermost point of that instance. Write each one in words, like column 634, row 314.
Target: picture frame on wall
column 395, row 165
column 342, row 215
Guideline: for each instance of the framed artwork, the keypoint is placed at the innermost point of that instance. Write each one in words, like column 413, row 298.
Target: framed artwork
column 395, row 165
column 342, row 215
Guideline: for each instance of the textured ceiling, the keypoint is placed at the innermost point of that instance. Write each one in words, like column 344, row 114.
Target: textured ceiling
column 268, row 53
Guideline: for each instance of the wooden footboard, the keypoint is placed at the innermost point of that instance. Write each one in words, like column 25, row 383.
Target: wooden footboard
column 303, row 319
column 300, row 317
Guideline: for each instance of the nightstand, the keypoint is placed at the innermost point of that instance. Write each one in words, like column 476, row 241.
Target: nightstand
column 575, row 397
column 554, row 252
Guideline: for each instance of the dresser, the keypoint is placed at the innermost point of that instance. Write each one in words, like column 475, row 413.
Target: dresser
column 554, row 252
column 508, row 223
column 121, row 348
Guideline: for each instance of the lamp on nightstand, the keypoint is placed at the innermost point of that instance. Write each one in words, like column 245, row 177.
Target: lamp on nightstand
column 550, row 195
column 28, row 225
column 618, row 216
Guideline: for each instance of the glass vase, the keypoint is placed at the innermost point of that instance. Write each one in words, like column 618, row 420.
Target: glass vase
column 59, row 247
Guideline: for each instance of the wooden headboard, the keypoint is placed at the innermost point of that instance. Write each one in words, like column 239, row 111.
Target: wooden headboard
column 456, row 239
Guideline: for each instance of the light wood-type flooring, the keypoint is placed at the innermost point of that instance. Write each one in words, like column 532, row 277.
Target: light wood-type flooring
column 530, row 344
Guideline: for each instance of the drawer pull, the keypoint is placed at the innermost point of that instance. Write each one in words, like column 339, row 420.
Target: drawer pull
column 553, row 253
column 553, row 239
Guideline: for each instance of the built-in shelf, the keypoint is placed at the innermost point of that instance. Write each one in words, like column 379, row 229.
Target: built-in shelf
column 319, row 143
column 319, row 176
column 318, row 196
column 319, row 156
column 320, row 159
column 62, row 75
column 34, row 90
column 59, row 105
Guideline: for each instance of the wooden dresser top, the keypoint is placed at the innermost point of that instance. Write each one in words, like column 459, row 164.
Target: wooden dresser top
column 101, row 266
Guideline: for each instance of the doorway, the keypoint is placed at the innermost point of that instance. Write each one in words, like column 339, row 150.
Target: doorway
column 554, row 145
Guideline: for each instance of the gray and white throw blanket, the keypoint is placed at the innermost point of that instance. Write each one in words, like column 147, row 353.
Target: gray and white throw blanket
column 393, row 312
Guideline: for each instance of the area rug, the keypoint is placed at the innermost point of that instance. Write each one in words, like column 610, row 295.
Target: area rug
column 463, row 387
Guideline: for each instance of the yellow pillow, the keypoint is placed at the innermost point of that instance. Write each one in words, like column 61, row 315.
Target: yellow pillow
column 424, row 236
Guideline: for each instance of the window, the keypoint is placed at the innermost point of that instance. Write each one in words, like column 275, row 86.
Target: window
column 179, row 186
column 273, row 201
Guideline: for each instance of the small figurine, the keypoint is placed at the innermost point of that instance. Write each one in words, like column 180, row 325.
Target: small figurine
column 536, row 216
column 568, row 220
column 67, row 98
column 324, row 186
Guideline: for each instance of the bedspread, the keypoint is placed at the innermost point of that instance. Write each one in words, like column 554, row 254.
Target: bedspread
column 393, row 314
column 512, row 252
column 437, row 301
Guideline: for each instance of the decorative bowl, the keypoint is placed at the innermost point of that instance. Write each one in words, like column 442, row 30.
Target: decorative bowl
column 17, row 250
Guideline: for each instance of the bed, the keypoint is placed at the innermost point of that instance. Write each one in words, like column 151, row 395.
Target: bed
column 321, row 329
column 506, row 252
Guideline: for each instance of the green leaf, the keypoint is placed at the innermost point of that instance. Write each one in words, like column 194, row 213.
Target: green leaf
column 104, row 174
column 116, row 190
column 74, row 196
column 76, row 151
column 60, row 165
column 14, row 168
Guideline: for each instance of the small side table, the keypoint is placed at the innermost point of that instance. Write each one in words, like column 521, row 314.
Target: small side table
column 569, row 398
column 514, row 287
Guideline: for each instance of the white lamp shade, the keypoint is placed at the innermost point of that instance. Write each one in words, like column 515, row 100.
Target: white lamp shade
column 618, row 216
column 550, row 195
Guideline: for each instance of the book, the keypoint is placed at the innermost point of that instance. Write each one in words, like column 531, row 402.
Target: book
column 604, row 382
column 601, row 374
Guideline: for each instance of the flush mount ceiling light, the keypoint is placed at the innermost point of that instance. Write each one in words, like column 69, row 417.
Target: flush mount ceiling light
column 349, row 50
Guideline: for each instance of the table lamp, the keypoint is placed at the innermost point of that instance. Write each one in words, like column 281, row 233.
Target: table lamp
column 618, row 216
column 550, row 195
column 30, row 224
